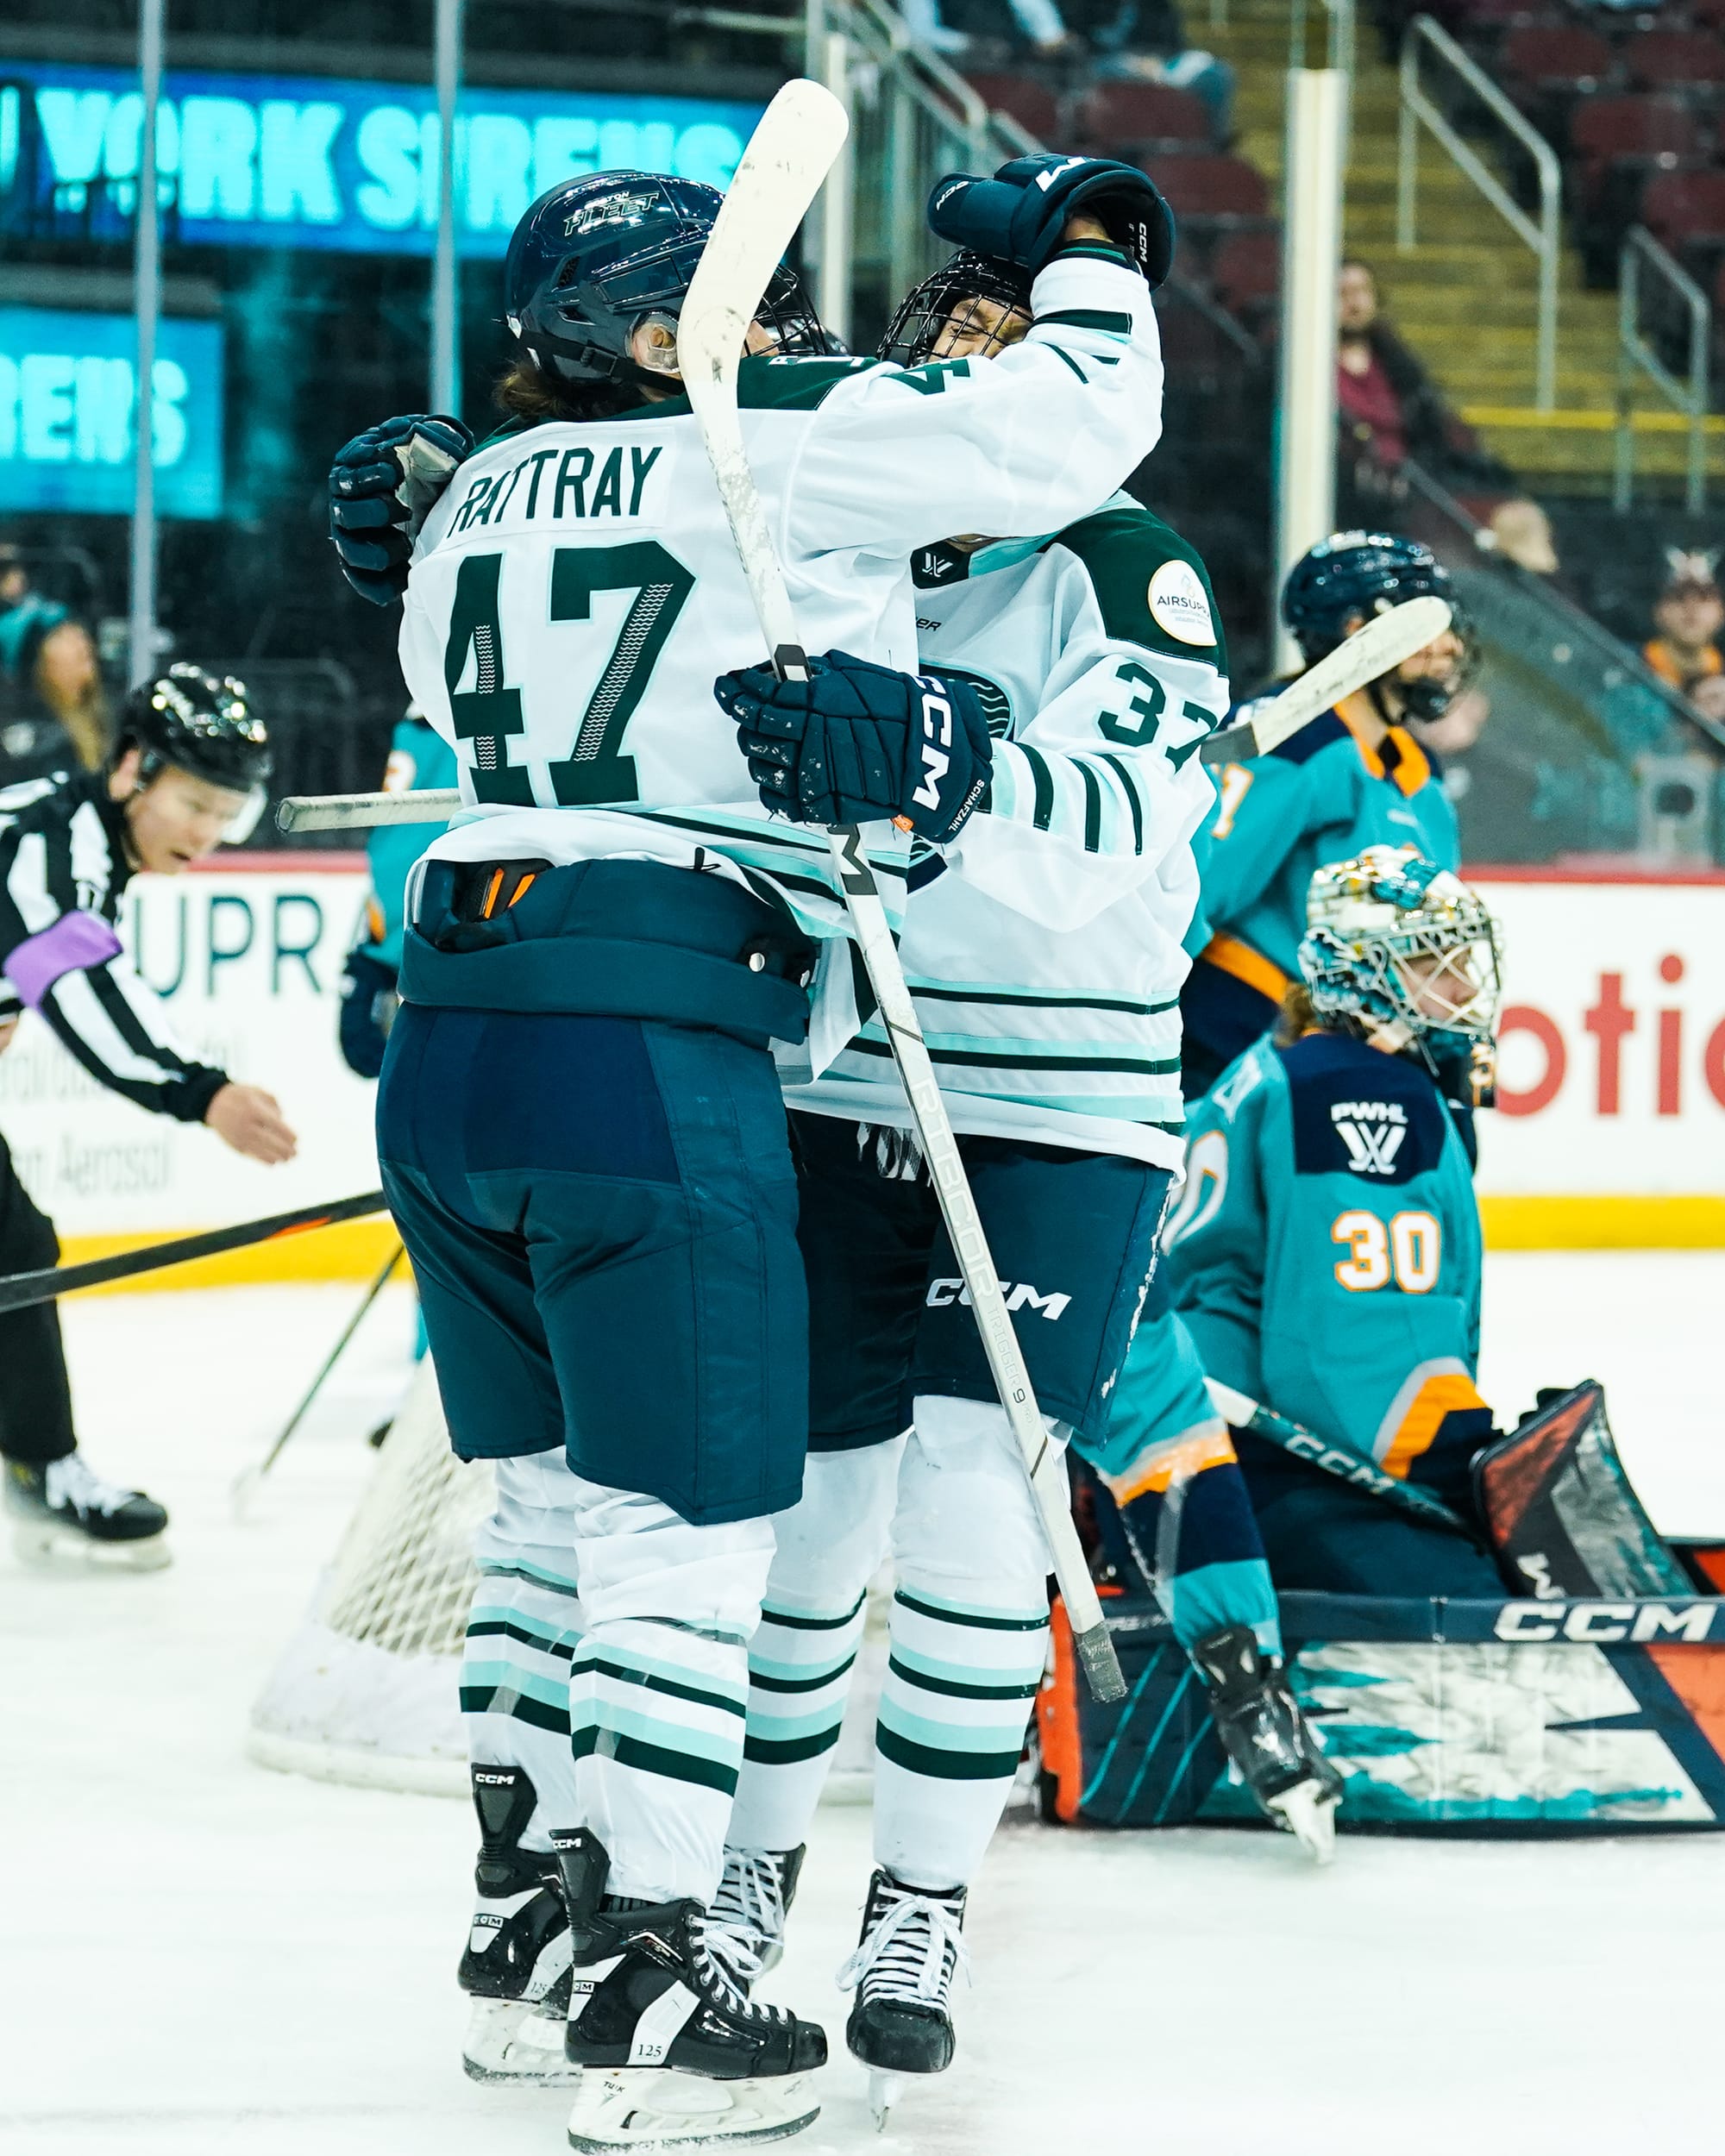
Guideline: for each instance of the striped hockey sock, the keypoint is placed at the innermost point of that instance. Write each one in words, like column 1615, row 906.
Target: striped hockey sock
column 957, row 1696
column 800, row 1666
column 522, row 1634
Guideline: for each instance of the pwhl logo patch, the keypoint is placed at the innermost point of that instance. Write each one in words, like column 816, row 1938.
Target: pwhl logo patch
column 1373, row 1131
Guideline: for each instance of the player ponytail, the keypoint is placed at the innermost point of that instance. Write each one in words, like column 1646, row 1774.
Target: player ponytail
column 525, row 392
column 1296, row 1016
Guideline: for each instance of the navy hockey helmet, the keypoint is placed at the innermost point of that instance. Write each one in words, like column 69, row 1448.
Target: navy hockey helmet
column 1353, row 575
column 942, row 311
column 195, row 723
column 593, row 258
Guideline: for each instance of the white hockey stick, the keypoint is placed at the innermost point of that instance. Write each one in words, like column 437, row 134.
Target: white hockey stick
column 800, row 135
column 1376, row 649
column 358, row 812
column 1380, row 645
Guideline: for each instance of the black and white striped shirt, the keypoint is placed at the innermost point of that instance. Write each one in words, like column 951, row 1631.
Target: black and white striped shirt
column 63, row 869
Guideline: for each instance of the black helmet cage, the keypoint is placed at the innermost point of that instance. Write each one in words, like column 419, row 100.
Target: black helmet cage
column 578, row 328
column 190, row 721
column 944, row 304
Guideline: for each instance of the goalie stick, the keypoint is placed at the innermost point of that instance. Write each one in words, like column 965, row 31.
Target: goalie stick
column 800, row 135
column 1376, row 649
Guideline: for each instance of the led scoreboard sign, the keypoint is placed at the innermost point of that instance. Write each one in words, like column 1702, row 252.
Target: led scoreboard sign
column 303, row 162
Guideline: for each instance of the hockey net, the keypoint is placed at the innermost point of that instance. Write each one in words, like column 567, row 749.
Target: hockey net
column 368, row 1690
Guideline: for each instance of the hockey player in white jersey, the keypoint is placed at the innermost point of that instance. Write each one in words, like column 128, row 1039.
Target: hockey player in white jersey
column 577, row 1118
column 1042, row 943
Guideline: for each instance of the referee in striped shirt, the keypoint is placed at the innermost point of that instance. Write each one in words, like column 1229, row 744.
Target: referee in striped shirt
column 189, row 770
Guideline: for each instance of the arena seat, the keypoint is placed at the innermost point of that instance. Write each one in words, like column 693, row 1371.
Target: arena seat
column 1681, row 62
column 1032, row 103
column 1246, row 277
column 1557, row 58
column 1685, row 212
column 1137, row 120
column 1211, row 191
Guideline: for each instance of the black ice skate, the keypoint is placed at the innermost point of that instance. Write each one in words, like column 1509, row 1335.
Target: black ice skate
column 745, row 1927
column 1269, row 1740
column 673, row 2053
column 912, row 1945
column 516, row 1968
column 63, row 1510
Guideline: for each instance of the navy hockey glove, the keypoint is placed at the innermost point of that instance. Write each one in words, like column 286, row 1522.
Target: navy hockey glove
column 369, row 1003
column 1019, row 214
column 858, row 741
column 382, row 485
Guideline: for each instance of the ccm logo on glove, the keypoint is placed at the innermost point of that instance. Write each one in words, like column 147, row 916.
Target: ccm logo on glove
column 857, row 743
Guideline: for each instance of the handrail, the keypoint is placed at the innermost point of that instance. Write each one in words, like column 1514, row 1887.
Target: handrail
column 1417, row 109
column 1641, row 248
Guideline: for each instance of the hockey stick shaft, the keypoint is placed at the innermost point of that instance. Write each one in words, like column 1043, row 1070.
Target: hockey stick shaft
column 800, row 135
column 1242, row 1414
column 254, row 1476
column 19, row 1290
column 358, row 812
column 1376, row 649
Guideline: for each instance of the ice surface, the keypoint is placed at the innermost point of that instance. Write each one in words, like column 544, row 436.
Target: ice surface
column 198, row 1956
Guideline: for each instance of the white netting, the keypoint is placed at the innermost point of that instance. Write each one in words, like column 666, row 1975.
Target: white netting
column 368, row 1690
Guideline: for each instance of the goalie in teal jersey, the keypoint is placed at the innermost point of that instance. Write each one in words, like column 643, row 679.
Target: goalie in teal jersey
column 1325, row 1258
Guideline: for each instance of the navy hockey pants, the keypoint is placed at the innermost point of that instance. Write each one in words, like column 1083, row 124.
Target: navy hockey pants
column 602, row 1217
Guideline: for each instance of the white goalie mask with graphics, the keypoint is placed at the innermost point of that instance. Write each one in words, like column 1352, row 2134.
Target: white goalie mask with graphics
column 1404, row 953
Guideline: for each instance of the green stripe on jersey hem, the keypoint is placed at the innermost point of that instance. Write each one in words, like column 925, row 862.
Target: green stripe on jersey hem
column 533, row 1576
column 985, row 992
column 645, row 1758
column 1137, row 1066
column 923, row 1682
column 955, row 1614
column 1060, row 353
column 946, row 1766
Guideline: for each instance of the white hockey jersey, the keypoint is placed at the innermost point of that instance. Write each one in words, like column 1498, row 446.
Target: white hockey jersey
column 577, row 591
column 1044, row 946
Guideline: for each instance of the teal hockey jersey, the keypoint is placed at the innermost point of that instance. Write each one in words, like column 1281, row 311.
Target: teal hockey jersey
column 420, row 761
column 1324, row 1254
column 1323, row 796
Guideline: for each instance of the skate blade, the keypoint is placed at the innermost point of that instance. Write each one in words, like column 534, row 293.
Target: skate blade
column 657, row 2107
column 884, row 2091
column 1309, row 1815
column 49, row 1547
column 510, row 2043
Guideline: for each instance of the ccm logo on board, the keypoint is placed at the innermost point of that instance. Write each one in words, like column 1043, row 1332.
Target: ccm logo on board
column 1602, row 1624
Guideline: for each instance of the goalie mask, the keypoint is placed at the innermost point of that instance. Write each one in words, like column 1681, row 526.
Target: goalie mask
column 190, row 721
column 972, row 307
column 595, row 257
column 1404, row 954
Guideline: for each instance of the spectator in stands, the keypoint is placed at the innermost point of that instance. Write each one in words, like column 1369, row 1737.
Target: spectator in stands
column 53, row 712
column 1688, row 616
column 1144, row 41
column 979, row 32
